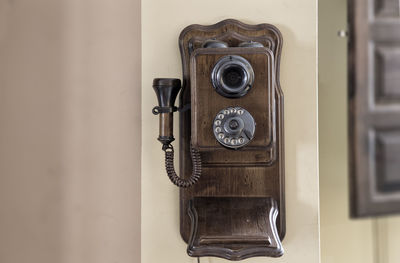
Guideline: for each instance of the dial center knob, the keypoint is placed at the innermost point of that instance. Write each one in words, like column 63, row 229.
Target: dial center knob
column 233, row 124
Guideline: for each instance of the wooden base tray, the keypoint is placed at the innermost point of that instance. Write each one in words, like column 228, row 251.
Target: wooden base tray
column 234, row 228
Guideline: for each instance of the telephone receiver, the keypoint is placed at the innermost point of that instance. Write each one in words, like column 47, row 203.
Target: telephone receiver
column 167, row 90
column 231, row 152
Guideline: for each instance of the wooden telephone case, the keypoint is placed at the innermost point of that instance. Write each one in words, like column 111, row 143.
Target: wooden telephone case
column 236, row 209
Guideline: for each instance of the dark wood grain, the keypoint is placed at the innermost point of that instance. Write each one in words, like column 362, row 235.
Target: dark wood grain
column 214, row 233
column 257, row 171
column 374, row 107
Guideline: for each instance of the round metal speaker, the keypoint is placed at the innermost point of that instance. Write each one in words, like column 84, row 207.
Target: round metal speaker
column 234, row 127
column 232, row 76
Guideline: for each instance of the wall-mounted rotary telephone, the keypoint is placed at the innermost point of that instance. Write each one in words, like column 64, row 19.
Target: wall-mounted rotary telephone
column 231, row 139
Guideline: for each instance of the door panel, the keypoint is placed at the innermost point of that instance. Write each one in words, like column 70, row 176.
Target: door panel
column 374, row 106
column 386, row 8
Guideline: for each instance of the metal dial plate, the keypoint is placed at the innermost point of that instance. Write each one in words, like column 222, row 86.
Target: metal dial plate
column 234, row 127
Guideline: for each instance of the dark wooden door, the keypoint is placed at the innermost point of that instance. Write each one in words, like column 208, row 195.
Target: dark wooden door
column 374, row 106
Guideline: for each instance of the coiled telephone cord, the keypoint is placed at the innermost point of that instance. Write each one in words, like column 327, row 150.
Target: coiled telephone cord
column 169, row 166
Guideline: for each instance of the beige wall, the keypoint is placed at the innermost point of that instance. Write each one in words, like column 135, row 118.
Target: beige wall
column 69, row 137
column 162, row 22
column 342, row 239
